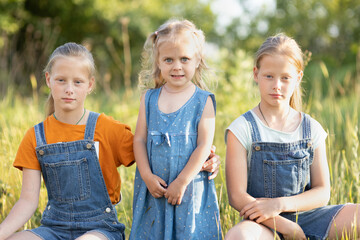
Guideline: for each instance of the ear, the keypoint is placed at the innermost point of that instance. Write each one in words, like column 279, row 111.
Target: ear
column 198, row 62
column 91, row 85
column 47, row 78
column 255, row 73
column 299, row 77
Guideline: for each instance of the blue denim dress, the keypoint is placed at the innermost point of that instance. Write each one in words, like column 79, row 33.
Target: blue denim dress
column 171, row 139
column 78, row 200
column 283, row 169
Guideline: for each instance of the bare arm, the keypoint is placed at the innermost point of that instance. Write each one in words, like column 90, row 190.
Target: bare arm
column 206, row 131
column 25, row 207
column 236, row 182
column 154, row 183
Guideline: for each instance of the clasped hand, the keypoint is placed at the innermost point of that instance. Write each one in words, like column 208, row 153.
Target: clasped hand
column 158, row 188
column 261, row 209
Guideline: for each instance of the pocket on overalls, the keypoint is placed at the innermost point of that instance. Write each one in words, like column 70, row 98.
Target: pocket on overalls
column 285, row 177
column 68, row 181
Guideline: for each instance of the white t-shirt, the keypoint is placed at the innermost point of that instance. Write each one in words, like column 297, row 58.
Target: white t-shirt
column 240, row 127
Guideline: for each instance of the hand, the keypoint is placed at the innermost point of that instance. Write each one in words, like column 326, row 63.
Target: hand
column 293, row 231
column 261, row 209
column 175, row 192
column 156, row 185
column 212, row 164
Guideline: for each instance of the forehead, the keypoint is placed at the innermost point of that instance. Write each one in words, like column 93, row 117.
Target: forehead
column 183, row 43
column 70, row 62
column 277, row 62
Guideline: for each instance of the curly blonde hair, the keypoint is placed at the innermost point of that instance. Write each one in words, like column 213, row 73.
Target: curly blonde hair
column 150, row 75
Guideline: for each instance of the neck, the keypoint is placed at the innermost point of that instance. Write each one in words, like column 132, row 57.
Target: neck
column 74, row 118
column 179, row 90
column 274, row 118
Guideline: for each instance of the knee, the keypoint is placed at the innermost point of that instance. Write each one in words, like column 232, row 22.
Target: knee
column 237, row 233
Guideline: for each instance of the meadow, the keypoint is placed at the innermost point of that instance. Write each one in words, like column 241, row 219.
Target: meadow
column 336, row 107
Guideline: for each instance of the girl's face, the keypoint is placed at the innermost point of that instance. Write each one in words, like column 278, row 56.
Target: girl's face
column 277, row 78
column 69, row 82
column 178, row 60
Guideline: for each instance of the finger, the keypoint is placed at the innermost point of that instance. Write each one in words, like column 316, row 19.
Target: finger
column 260, row 219
column 245, row 208
column 173, row 202
column 213, row 149
column 214, row 174
column 254, row 216
column 179, row 200
column 161, row 181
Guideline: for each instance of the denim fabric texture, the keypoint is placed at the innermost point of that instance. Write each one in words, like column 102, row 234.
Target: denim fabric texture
column 283, row 169
column 171, row 140
column 78, row 200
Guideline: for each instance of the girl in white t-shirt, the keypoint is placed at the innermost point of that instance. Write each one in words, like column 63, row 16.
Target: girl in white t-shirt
column 276, row 168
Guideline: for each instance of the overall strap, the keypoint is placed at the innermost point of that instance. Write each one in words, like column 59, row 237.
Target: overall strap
column 40, row 134
column 255, row 135
column 151, row 98
column 90, row 125
column 306, row 126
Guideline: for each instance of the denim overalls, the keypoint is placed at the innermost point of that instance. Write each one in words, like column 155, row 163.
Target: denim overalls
column 283, row 169
column 171, row 139
column 78, row 200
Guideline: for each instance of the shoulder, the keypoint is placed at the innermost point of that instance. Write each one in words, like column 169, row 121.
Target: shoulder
column 318, row 134
column 110, row 124
column 239, row 124
column 239, row 127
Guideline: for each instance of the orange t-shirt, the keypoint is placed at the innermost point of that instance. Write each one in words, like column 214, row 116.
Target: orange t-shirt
column 115, row 147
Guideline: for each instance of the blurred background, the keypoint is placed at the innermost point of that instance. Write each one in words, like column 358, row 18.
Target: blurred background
column 328, row 31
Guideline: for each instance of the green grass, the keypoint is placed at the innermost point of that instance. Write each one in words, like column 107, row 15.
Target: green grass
column 339, row 115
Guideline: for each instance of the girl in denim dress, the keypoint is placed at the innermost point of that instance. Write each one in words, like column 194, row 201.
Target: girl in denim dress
column 276, row 168
column 77, row 152
column 173, row 198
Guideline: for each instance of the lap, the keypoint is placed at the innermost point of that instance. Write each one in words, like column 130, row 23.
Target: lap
column 344, row 221
column 249, row 230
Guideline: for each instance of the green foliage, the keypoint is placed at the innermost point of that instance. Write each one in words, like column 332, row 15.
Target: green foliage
column 235, row 94
column 114, row 30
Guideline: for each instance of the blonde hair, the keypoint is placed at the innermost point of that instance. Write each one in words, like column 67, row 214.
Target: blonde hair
column 283, row 45
column 150, row 76
column 67, row 50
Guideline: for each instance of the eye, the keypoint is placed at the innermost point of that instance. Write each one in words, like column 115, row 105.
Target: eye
column 168, row 60
column 286, row 78
column 184, row 59
column 268, row 76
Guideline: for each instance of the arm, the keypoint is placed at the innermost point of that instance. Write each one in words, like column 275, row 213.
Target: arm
column 319, row 193
column 205, row 137
column 25, row 207
column 236, row 182
column 154, row 183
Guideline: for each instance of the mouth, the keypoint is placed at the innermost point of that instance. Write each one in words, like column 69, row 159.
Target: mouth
column 276, row 95
column 68, row 99
column 177, row 76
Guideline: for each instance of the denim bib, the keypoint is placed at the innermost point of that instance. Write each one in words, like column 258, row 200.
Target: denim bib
column 171, row 139
column 78, row 200
column 283, row 169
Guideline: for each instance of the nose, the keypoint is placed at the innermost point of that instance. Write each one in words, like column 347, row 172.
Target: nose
column 69, row 88
column 177, row 65
column 277, row 84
